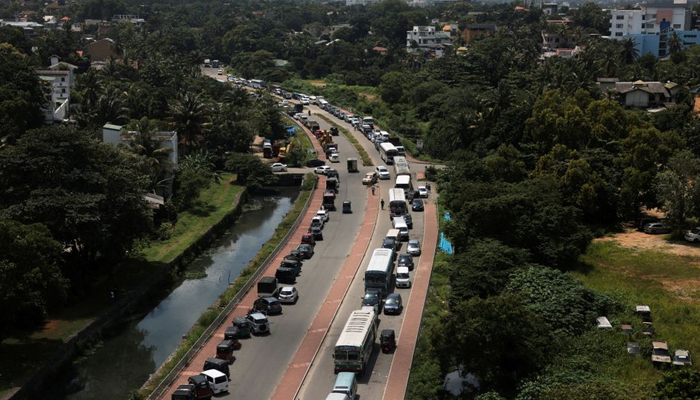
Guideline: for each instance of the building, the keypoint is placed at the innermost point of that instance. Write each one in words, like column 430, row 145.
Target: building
column 117, row 134
column 650, row 20
column 59, row 78
column 640, row 94
column 657, row 43
column 102, row 50
column 426, row 39
column 360, row 2
column 476, row 31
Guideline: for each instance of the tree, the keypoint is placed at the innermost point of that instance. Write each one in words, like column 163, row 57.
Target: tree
column 31, row 282
column 590, row 15
column 629, row 52
column 89, row 194
column 676, row 189
column 189, row 116
column 250, row 170
column 157, row 158
column 679, row 385
column 21, row 95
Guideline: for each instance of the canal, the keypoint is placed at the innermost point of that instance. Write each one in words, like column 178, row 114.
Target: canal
column 131, row 352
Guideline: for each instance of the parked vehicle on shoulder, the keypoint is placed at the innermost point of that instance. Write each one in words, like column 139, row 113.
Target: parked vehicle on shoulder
column 324, row 215
column 260, row 323
column 393, row 304
column 288, row 295
column 244, row 326
column 202, row 389
column 657, row 227
column 268, row 305
column 217, row 380
column 306, row 250
column 423, row 192
column 224, row 350
column 217, row 364
column 308, row 238
column 316, row 232
column 314, row 163
column 322, row 170
column 279, row 167
column 693, row 235
column 317, row 221
column 413, row 247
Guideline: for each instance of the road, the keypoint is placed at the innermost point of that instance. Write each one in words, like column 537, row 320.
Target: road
column 372, row 385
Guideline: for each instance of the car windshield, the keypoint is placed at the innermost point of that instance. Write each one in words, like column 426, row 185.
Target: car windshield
column 402, row 275
column 286, row 293
column 660, row 352
column 392, row 301
column 370, row 298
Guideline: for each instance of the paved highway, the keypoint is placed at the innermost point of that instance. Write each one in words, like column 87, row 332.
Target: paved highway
column 371, row 386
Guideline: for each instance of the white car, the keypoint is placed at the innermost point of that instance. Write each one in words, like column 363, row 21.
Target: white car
column 322, row 169
column 334, row 158
column 413, row 247
column 283, row 103
column 323, row 214
column 298, row 116
column 278, row 167
column 288, row 295
column 220, row 72
column 422, row 192
column 382, row 172
column 693, row 236
column 305, row 101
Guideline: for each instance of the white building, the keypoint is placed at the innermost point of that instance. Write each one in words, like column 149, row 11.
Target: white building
column 117, row 134
column 61, row 78
column 426, row 39
column 649, row 20
column 360, row 2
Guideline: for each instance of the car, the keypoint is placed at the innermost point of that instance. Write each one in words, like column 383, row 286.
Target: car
column 322, row 169
column 298, row 116
column 279, row 167
column 268, row 305
column 423, row 192
column 334, row 158
column 682, row 358
column 220, row 72
column 405, row 260
column 347, row 207
column 409, row 220
column 324, row 215
column 333, row 173
column 305, row 101
column 693, row 236
column 391, row 243
column 417, row 205
column 393, row 304
column 660, row 354
column 308, row 238
column 288, row 295
column 413, row 247
column 369, row 179
column 259, row 322
column 306, row 250
column 382, row 172
column 294, row 255
column 657, row 227
column 316, row 232
column 317, row 221
column 372, row 298
column 314, row 163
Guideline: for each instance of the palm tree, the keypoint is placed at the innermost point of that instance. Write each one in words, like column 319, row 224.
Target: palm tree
column 629, row 52
column 190, row 118
column 89, row 86
column 674, row 44
column 157, row 158
column 110, row 107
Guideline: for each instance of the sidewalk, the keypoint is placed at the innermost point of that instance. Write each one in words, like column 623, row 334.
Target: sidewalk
column 299, row 367
column 408, row 337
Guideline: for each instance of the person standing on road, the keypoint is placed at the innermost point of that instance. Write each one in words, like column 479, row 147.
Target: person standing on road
column 372, row 190
column 309, row 113
column 382, row 203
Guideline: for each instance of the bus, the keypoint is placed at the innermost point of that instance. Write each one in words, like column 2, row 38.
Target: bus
column 388, row 152
column 379, row 270
column 355, row 343
column 401, row 166
column 403, row 182
column 258, row 84
column 397, row 201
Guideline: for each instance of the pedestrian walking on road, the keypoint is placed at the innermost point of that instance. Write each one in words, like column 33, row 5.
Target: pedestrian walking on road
column 382, row 203
column 428, row 186
column 309, row 113
column 372, row 190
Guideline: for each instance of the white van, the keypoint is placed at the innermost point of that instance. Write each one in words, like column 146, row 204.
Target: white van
column 368, row 120
column 385, row 136
column 346, row 384
column 217, row 380
column 323, row 104
column 393, row 233
column 400, row 224
column 338, row 396
column 403, row 279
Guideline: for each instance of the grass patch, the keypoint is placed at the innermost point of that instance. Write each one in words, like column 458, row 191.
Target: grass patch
column 667, row 283
column 213, row 312
column 366, row 161
column 213, row 204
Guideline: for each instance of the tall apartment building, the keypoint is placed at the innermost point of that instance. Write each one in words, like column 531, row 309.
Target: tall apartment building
column 650, row 20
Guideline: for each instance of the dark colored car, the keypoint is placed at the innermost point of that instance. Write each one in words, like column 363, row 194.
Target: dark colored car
column 405, row 260
column 333, row 173
column 268, row 305
column 308, row 238
column 387, row 340
column 373, row 298
column 294, row 255
column 183, row 392
column 408, row 219
column 393, row 304
column 202, row 389
column 390, row 243
column 224, row 351
column 644, row 221
column 315, row 162
column 347, row 207
column 306, row 250
column 232, row 333
column 657, row 227
column 316, row 232
column 417, row 205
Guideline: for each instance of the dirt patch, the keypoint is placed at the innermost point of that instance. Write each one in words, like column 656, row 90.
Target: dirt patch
column 686, row 289
column 368, row 96
column 317, row 83
column 633, row 239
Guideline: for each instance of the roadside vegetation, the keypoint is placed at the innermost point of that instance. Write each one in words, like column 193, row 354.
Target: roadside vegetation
column 366, row 160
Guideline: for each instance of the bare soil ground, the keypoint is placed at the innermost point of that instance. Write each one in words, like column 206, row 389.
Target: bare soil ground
column 633, row 239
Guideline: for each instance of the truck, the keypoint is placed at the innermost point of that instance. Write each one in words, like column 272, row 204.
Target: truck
column 215, row 63
column 313, row 126
column 298, row 108
column 267, row 149
column 352, row 165
column 329, row 200
column 207, row 62
column 267, row 286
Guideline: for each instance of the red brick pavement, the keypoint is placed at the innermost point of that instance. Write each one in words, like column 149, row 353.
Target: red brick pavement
column 408, row 337
column 300, row 364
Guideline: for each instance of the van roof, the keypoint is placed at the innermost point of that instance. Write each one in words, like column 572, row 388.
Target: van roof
column 402, row 269
column 393, row 232
column 214, row 373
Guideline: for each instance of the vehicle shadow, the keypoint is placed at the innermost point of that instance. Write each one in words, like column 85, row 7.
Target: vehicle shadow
column 367, row 376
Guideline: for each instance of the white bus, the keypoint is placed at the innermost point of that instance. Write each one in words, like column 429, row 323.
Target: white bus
column 397, row 201
column 403, row 182
column 401, row 166
column 258, row 83
column 354, row 346
column 388, row 152
column 379, row 270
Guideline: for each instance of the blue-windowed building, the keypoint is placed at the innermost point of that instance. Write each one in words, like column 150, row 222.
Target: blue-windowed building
column 657, row 43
